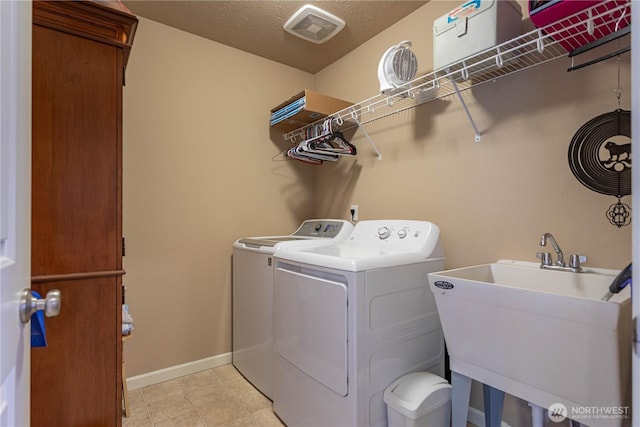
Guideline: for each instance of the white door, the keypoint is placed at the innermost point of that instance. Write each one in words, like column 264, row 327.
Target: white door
column 15, row 208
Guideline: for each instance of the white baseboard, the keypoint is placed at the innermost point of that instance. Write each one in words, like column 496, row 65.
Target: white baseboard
column 177, row 371
column 476, row 417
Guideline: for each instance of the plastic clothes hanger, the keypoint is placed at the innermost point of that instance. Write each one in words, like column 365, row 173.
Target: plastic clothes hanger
column 335, row 144
column 345, row 146
column 291, row 153
column 321, row 144
column 316, row 156
column 303, row 149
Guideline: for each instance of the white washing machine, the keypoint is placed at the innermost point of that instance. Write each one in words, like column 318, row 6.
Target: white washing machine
column 252, row 297
column 350, row 318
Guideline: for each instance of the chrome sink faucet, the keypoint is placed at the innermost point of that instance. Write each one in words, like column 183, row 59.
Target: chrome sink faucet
column 556, row 247
column 546, row 261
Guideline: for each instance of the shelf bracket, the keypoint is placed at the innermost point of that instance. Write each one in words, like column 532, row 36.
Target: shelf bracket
column 354, row 116
column 464, row 105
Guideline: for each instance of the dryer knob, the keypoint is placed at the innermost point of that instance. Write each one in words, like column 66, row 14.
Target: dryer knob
column 402, row 233
column 384, row 232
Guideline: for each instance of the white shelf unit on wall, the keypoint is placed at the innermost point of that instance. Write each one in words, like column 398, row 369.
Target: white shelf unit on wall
column 598, row 22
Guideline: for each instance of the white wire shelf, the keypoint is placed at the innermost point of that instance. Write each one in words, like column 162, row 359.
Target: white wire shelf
column 534, row 48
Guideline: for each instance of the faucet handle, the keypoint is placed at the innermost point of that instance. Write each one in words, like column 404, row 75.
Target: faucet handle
column 545, row 258
column 576, row 260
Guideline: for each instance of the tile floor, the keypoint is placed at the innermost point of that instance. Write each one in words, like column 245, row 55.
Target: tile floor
column 219, row 397
column 216, row 397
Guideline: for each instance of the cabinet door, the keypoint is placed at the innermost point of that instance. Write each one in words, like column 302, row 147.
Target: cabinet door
column 75, row 379
column 76, row 154
column 76, row 227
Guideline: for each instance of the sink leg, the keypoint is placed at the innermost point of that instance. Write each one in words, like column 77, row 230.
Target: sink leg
column 537, row 415
column 460, row 394
column 493, row 402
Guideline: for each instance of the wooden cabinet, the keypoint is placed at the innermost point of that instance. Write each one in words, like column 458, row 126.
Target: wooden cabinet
column 79, row 56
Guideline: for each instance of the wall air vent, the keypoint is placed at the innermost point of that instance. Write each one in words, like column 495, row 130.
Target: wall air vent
column 314, row 24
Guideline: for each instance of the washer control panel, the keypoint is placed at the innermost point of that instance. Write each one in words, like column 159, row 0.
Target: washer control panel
column 329, row 228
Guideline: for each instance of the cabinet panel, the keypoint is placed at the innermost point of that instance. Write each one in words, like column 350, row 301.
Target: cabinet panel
column 78, row 50
column 76, row 97
column 75, row 379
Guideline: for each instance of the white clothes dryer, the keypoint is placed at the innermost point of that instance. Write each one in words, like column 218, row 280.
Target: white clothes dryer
column 352, row 317
column 252, row 294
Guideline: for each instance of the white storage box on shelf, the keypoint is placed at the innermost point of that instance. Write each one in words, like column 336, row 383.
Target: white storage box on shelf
column 473, row 27
column 418, row 399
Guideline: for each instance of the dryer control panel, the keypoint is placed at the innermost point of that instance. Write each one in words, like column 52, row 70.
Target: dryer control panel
column 396, row 235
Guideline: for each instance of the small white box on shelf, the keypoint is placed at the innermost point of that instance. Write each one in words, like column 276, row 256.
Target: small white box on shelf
column 472, row 27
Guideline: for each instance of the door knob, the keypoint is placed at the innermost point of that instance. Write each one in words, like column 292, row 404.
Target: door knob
column 30, row 304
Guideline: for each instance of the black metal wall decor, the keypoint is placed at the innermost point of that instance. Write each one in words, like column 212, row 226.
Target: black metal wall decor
column 600, row 158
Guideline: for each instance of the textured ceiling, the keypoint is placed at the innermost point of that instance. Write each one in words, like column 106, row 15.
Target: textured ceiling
column 256, row 26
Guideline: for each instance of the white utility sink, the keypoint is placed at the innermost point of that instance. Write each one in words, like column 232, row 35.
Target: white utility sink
column 542, row 335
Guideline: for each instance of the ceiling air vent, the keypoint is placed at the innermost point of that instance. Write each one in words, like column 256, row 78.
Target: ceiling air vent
column 314, row 24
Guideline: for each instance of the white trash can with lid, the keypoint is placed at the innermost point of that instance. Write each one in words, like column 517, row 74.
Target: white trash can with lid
column 418, row 399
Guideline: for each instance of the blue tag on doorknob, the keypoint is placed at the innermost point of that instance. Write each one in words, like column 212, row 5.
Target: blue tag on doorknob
column 38, row 333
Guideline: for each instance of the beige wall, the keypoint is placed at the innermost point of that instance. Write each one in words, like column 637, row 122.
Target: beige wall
column 198, row 174
column 492, row 199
